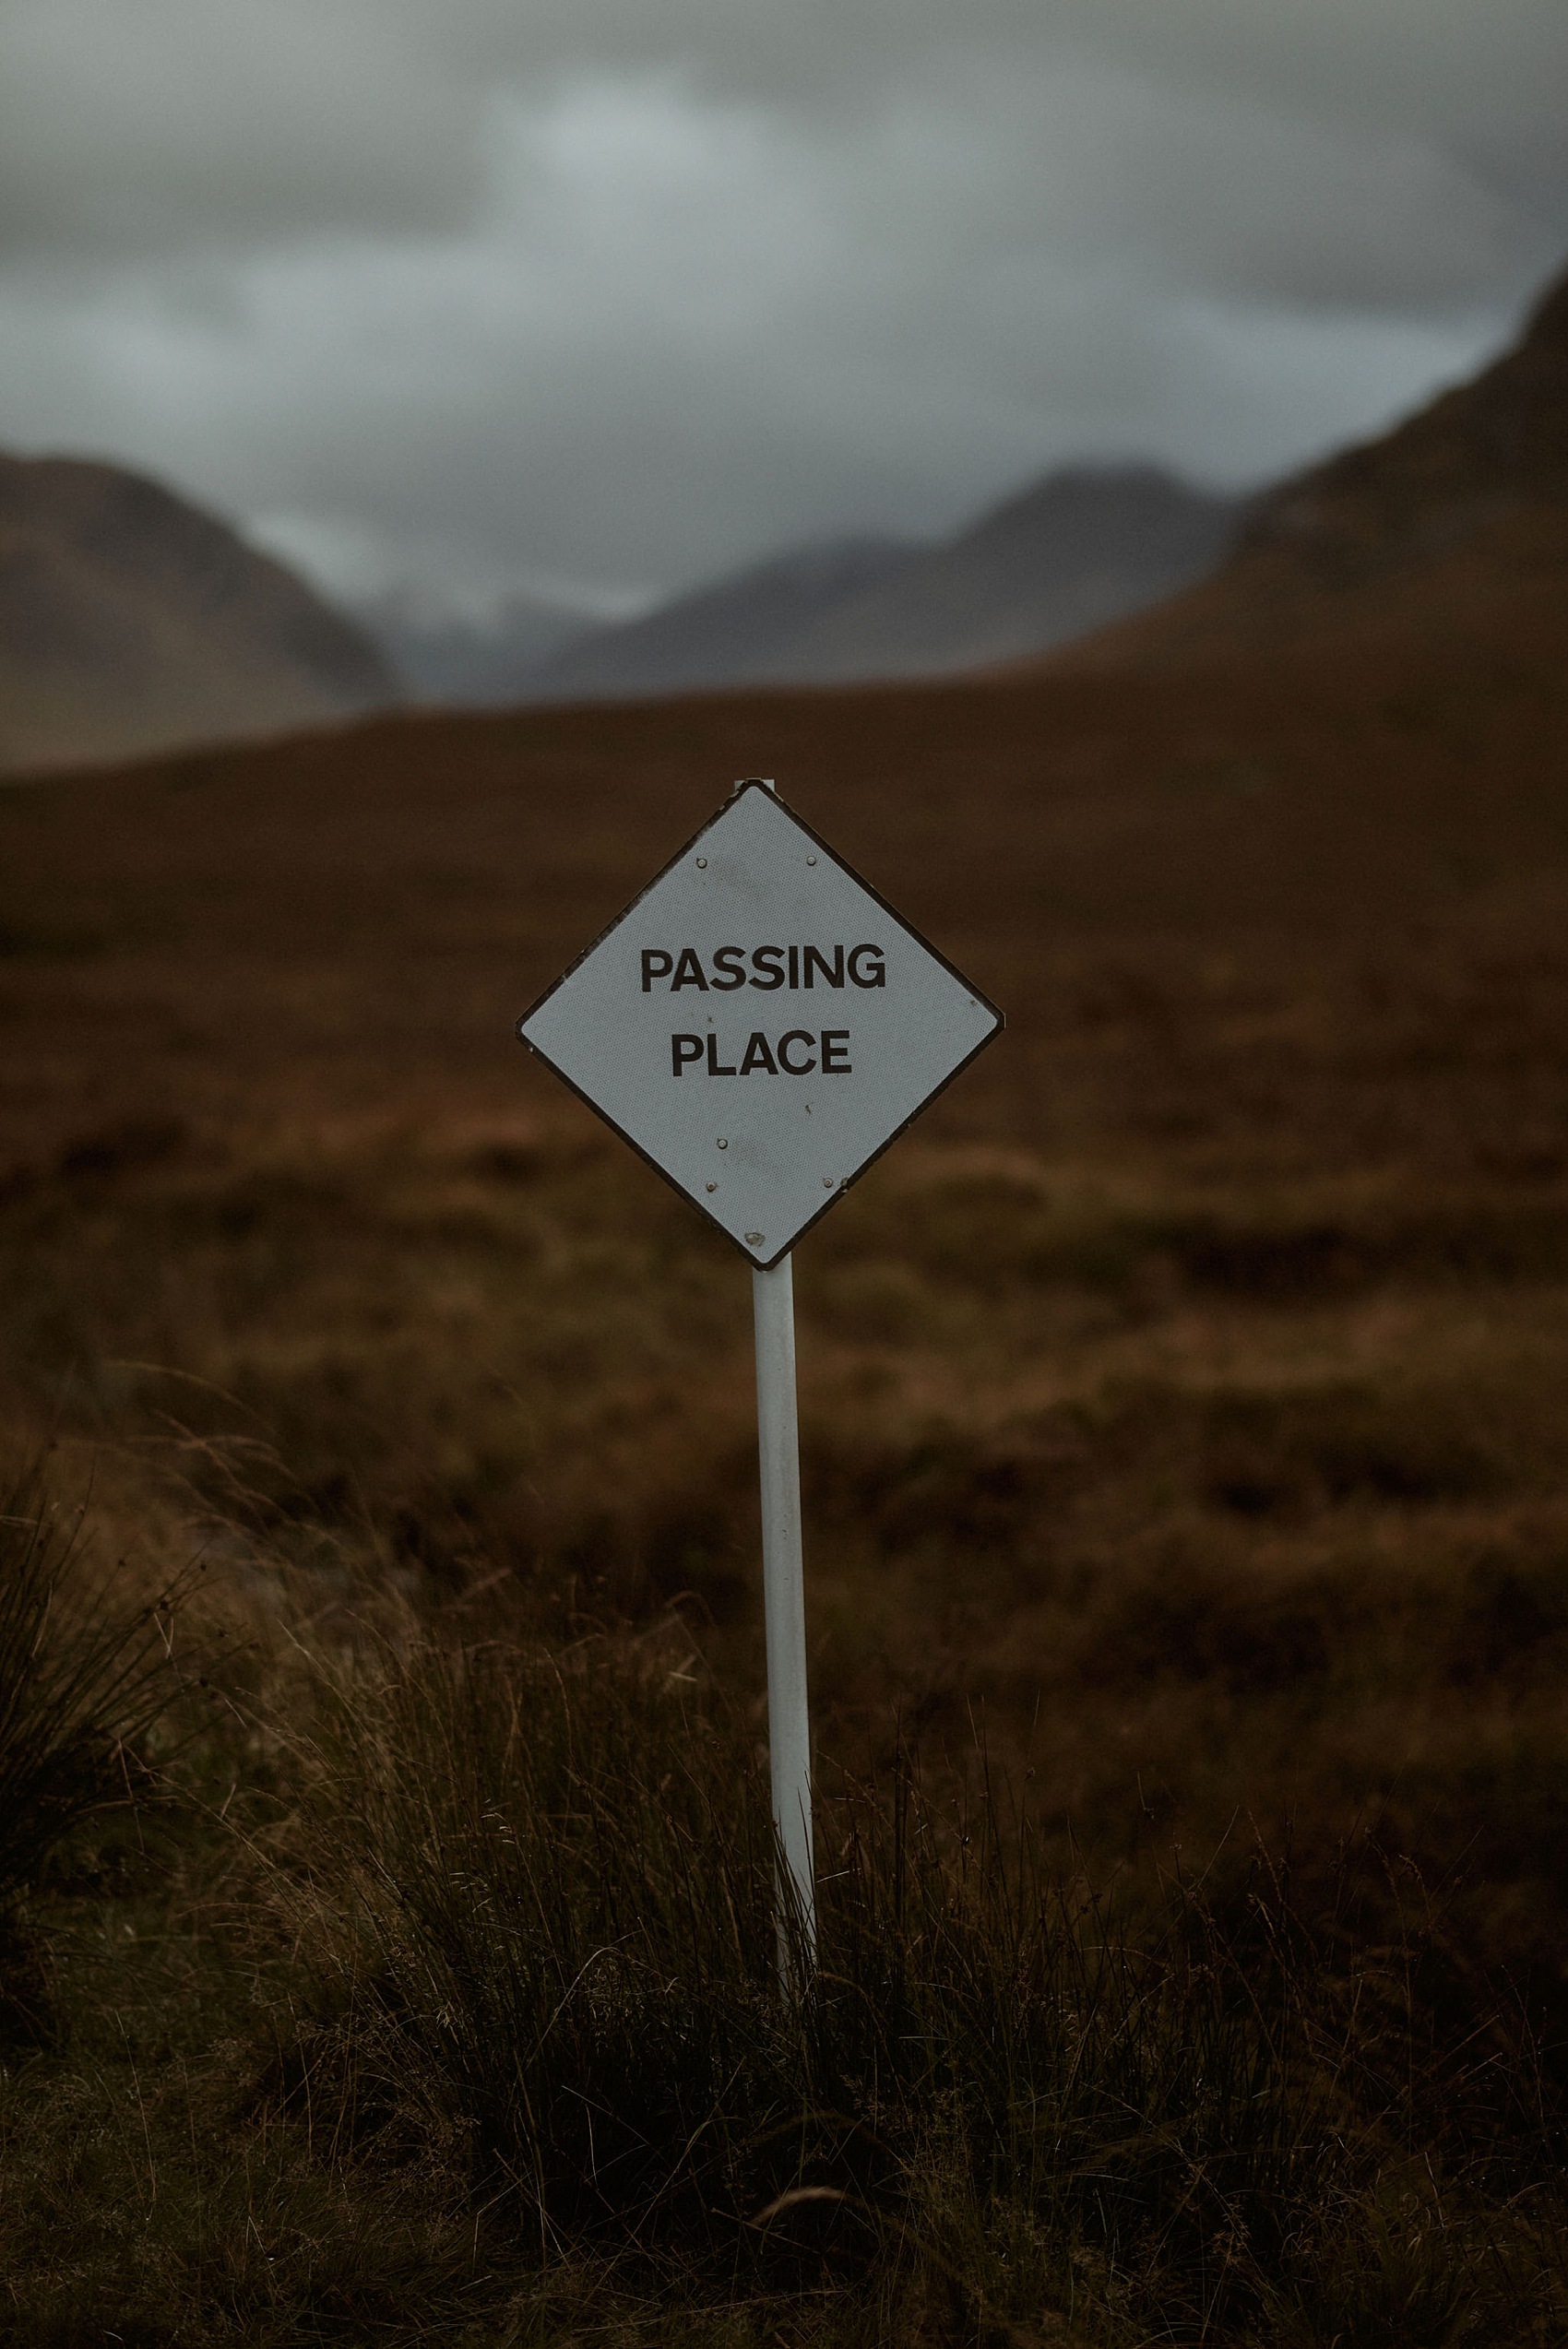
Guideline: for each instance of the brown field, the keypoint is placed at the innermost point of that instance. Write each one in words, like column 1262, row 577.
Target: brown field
column 387, row 1946
column 1187, row 1392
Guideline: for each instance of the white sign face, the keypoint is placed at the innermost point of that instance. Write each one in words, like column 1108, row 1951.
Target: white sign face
column 759, row 1025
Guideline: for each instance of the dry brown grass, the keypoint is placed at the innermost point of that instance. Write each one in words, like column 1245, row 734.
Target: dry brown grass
column 1188, row 1390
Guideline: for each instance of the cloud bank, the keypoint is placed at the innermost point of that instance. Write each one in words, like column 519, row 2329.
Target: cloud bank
column 601, row 297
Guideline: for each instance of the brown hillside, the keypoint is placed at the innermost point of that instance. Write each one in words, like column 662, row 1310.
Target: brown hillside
column 1455, row 521
column 1193, row 1372
column 130, row 622
column 1182, row 1412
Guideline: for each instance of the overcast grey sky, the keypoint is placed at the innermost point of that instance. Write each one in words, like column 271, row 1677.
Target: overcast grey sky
column 600, row 296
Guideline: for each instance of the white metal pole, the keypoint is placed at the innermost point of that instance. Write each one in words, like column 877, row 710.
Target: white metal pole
column 784, row 1604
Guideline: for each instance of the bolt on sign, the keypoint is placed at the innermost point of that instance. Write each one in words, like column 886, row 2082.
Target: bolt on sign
column 759, row 1023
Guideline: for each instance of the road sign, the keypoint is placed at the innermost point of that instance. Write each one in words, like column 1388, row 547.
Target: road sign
column 759, row 1023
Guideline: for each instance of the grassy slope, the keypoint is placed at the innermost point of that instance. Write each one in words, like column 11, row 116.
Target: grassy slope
column 1185, row 1390
column 1240, row 1257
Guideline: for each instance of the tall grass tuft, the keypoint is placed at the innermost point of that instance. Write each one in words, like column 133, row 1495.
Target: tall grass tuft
column 533, row 1898
column 85, row 1673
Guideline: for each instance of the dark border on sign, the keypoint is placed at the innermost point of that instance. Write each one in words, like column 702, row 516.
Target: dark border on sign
column 892, row 912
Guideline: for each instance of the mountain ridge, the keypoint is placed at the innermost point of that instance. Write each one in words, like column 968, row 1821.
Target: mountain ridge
column 132, row 621
column 1460, row 507
column 1077, row 548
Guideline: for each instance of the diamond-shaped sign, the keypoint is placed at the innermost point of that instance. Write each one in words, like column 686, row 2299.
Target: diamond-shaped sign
column 759, row 1023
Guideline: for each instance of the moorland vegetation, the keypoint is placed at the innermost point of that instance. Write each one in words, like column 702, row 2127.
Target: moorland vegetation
column 385, row 1866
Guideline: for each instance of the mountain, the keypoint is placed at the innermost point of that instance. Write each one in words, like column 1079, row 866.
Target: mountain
column 1079, row 548
column 1456, row 516
column 130, row 621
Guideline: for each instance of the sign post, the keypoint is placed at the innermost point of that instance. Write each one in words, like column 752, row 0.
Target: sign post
column 759, row 1025
column 784, row 1603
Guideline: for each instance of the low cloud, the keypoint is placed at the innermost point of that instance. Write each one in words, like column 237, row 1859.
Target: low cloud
column 606, row 297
